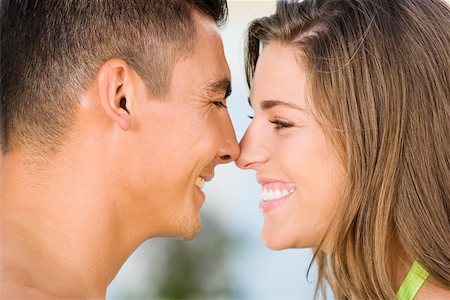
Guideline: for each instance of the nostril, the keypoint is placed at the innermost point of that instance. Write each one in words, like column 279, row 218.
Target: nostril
column 244, row 165
column 225, row 157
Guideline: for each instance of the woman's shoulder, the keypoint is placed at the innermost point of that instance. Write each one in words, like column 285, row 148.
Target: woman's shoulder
column 431, row 290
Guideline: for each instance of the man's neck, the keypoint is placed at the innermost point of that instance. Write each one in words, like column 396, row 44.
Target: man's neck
column 54, row 240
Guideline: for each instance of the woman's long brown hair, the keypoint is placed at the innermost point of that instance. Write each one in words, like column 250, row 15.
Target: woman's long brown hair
column 379, row 84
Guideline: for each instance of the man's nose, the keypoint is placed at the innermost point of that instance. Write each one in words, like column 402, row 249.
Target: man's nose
column 243, row 161
column 229, row 148
column 230, row 152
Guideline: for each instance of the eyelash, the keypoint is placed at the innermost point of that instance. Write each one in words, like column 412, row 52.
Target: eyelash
column 279, row 124
column 219, row 104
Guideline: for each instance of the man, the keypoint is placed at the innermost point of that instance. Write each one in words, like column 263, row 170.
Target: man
column 113, row 116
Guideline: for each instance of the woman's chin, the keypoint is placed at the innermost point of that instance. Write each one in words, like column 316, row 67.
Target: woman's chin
column 275, row 243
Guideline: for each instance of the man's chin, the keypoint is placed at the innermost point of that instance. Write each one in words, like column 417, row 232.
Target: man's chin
column 190, row 231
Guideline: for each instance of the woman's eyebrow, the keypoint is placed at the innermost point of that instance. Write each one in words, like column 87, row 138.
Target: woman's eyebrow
column 268, row 104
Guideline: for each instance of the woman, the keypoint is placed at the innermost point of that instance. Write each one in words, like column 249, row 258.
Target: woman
column 350, row 141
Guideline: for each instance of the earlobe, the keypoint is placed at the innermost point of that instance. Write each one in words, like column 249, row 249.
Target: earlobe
column 113, row 78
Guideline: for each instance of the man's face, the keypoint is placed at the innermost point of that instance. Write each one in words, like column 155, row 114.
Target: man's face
column 180, row 139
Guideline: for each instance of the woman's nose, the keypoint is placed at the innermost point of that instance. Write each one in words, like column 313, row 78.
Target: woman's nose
column 253, row 152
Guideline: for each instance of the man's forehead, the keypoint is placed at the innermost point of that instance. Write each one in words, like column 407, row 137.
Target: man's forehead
column 206, row 70
column 204, row 23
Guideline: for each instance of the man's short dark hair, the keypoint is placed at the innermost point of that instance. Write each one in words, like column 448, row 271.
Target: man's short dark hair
column 51, row 49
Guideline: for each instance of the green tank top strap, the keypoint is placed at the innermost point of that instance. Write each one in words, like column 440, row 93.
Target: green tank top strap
column 412, row 283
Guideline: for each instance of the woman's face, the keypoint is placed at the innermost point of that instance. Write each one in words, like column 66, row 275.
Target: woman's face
column 298, row 170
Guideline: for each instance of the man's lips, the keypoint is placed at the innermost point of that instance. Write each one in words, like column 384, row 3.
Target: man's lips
column 202, row 178
column 200, row 182
column 207, row 177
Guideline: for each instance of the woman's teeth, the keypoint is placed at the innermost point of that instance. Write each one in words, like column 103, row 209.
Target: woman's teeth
column 200, row 182
column 270, row 195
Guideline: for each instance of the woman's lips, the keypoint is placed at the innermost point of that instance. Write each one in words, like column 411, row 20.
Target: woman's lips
column 274, row 193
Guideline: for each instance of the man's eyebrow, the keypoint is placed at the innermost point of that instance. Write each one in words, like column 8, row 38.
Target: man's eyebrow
column 268, row 104
column 221, row 86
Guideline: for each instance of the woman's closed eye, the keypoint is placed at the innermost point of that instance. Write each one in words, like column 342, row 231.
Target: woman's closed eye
column 281, row 124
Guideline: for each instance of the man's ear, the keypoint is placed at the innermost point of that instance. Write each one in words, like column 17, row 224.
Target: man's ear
column 114, row 78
